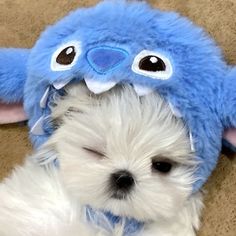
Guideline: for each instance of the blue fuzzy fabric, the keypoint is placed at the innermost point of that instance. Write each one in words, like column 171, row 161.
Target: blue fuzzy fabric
column 202, row 86
column 13, row 74
column 107, row 221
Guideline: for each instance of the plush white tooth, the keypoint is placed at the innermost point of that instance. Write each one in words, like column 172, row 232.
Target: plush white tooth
column 191, row 142
column 142, row 90
column 37, row 128
column 99, row 87
column 59, row 85
column 43, row 101
column 175, row 111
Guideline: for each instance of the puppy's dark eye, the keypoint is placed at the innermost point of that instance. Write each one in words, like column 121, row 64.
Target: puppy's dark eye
column 66, row 56
column 152, row 63
column 161, row 166
column 94, row 152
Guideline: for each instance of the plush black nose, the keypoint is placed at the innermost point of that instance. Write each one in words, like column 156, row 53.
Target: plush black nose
column 122, row 180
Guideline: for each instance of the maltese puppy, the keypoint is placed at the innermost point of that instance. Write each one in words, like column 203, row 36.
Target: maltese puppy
column 118, row 164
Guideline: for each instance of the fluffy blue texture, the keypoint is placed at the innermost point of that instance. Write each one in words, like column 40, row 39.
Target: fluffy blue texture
column 13, row 74
column 108, row 222
column 228, row 100
column 202, row 85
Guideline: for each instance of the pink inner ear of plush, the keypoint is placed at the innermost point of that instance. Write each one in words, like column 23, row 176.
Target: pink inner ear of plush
column 230, row 136
column 12, row 113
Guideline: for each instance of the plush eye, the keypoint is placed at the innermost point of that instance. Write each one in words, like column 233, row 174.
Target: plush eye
column 152, row 64
column 94, row 152
column 162, row 166
column 65, row 57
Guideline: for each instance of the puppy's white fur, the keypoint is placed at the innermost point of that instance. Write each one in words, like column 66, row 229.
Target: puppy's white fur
column 129, row 132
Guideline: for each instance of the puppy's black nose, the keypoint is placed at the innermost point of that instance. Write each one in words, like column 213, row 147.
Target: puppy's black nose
column 122, row 180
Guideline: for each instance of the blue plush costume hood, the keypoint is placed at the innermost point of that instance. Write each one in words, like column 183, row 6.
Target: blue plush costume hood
column 115, row 42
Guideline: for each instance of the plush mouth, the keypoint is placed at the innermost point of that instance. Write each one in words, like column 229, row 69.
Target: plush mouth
column 95, row 86
column 98, row 87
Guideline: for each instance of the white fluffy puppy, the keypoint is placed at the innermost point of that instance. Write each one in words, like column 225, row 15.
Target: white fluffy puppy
column 125, row 168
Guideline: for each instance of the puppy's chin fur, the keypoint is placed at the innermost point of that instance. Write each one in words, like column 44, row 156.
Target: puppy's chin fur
column 98, row 136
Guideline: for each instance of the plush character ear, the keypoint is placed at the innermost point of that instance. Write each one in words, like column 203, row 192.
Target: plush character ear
column 229, row 110
column 13, row 63
column 229, row 139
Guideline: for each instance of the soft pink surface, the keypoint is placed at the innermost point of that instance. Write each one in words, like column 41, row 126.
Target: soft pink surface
column 230, row 136
column 11, row 113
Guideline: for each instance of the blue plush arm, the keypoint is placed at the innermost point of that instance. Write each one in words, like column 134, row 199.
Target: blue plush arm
column 13, row 63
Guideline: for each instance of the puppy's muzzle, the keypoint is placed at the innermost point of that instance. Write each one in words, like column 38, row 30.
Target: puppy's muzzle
column 121, row 183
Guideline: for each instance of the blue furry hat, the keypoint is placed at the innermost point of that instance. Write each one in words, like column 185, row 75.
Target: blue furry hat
column 126, row 42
